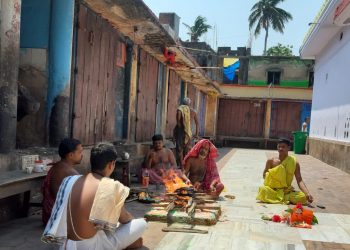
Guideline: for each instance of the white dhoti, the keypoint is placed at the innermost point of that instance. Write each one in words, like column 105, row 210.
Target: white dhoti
column 124, row 236
column 116, row 237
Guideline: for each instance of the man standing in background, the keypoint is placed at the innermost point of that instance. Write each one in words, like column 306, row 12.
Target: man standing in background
column 183, row 129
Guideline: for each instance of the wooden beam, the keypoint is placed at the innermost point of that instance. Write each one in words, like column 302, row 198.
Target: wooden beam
column 267, row 119
column 184, row 230
column 133, row 95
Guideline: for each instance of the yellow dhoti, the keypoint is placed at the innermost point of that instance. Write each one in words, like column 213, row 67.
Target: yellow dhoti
column 278, row 184
column 186, row 119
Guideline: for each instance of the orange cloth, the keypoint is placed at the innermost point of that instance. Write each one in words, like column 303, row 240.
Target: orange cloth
column 301, row 215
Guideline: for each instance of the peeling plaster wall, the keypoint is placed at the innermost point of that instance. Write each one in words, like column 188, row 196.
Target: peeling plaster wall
column 33, row 72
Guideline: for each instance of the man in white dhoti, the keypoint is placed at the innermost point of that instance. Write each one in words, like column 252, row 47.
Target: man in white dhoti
column 89, row 210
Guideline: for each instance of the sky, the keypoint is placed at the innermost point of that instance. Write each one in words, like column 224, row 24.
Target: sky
column 230, row 17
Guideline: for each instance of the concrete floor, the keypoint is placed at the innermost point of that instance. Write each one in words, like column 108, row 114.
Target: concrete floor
column 240, row 225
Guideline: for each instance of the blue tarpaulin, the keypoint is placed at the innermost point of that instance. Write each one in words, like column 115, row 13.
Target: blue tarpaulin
column 230, row 71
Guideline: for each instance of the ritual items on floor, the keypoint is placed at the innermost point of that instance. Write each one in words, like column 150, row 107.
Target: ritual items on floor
column 296, row 217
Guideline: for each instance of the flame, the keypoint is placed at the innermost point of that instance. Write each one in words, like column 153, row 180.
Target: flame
column 172, row 181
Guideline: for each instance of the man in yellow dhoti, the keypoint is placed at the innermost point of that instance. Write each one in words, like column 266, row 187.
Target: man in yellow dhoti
column 278, row 176
column 182, row 132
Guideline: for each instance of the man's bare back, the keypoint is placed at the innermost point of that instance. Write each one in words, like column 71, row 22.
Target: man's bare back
column 82, row 199
column 60, row 171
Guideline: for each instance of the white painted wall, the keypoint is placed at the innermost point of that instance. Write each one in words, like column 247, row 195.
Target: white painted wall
column 330, row 117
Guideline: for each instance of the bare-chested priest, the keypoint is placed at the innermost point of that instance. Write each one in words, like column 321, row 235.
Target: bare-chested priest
column 158, row 160
column 201, row 169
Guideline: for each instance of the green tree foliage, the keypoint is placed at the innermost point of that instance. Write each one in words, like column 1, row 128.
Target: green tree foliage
column 265, row 15
column 199, row 28
column 280, row 50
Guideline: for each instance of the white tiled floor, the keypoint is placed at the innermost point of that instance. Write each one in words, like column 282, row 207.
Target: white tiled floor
column 240, row 225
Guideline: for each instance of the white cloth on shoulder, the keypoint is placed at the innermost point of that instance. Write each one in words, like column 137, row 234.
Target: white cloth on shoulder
column 56, row 228
column 108, row 203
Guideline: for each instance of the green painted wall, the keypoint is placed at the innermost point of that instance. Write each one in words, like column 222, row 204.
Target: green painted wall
column 285, row 83
column 294, row 71
column 298, row 84
column 257, row 83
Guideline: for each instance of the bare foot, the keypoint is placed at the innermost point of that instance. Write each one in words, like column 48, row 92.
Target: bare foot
column 137, row 244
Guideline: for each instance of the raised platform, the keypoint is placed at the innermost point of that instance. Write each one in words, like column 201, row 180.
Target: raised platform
column 334, row 153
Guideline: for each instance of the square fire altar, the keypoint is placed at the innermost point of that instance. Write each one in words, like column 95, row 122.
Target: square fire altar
column 183, row 204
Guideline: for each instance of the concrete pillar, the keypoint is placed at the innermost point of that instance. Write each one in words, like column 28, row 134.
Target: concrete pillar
column 133, row 95
column 10, row 16
column 267, row 119
column 60, row 68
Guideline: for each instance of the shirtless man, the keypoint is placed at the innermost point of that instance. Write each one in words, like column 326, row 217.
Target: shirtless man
column 283, row 169
column 71, row 152
column 158, row 160
column 185, row 116
column 86, row 228
column 128, row 235
column 201, row 169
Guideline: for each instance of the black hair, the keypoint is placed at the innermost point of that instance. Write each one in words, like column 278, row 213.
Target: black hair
column 284, row 140
column 157, row 137
column 67, row 145
column 101, row 155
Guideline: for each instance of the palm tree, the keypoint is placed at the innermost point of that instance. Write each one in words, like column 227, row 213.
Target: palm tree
column 265, row 14
column 199, row 28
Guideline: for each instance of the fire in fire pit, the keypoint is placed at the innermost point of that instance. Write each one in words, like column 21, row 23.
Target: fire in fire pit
column 173, row 182
column 183, row 204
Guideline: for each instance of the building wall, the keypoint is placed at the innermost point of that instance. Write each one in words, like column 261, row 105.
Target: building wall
column 33, row 73
column 243, row 91
column 35, row 23
column 330, row 117
column 205, row 57
column 295, row 71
